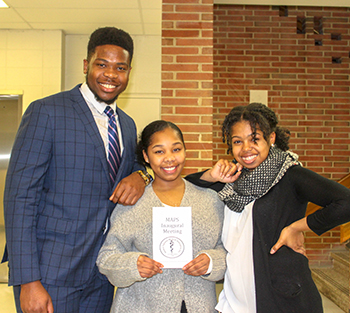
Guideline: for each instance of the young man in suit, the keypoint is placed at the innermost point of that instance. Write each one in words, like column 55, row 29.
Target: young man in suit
column 59, row 193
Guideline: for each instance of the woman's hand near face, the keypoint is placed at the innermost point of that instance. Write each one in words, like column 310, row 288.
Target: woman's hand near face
column 223, row 171
column 148, row 267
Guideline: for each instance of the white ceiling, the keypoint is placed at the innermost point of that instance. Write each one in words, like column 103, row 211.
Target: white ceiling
column 138, row 17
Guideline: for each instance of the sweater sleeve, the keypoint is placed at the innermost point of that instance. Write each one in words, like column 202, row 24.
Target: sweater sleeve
column 218, row 256
column 116, row 260
column 333, row 198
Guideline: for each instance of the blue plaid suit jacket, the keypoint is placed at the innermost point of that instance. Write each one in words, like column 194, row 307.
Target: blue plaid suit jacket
column 57, row 189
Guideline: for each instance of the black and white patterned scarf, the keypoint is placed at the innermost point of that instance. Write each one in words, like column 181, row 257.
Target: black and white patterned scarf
column 252, row 185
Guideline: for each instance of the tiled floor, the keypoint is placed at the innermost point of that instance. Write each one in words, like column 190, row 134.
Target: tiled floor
column 7, row 302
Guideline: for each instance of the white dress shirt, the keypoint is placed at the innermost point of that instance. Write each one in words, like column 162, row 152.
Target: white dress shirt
column 97, row 109
column 238, row 294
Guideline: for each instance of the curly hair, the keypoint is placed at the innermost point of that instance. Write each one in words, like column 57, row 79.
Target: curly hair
column 145, row 138
column 260, row 117
column 110, row 36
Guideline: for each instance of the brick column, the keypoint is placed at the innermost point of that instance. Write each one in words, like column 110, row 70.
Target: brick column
column 187, row 76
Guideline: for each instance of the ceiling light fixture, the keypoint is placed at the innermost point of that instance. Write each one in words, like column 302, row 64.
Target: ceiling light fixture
column 3, row 4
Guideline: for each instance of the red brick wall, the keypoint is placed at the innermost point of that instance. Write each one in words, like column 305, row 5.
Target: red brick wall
column 187, row 76
column 257, row 49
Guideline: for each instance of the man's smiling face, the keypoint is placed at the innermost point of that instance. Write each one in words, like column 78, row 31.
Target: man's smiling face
column 107, row 72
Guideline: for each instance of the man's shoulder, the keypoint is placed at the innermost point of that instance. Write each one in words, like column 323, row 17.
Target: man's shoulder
column 61, row 95
column 126, row 121
column 60, row 99
column 123, row 114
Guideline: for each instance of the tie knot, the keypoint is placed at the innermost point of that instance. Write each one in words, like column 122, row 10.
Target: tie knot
column 109, row 111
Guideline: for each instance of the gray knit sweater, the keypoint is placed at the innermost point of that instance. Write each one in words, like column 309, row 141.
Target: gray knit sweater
column 131, row 235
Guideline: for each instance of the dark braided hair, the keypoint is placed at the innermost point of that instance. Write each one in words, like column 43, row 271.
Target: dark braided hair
column 110, row 36
column 145, row 138
column 259, row 116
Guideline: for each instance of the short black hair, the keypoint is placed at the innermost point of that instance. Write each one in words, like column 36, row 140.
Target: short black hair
column 259, row 116
column 110, row 36
column 145, row 138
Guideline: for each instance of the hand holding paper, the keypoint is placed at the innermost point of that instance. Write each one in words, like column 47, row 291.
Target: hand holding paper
column 198, row 266
column 148, row 267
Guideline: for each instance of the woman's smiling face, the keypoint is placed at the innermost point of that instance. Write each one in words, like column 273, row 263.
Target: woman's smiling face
column 250, row 149
column 166, row 155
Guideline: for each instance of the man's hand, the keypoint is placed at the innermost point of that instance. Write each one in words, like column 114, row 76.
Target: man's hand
column 198, row 266
column 35, row 299
column 129, row 190
column 148, row 267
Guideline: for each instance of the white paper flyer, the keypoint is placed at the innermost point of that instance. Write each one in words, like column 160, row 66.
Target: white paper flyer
column 172, row 236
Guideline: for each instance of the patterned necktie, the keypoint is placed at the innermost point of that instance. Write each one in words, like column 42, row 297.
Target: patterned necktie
column 113, row 145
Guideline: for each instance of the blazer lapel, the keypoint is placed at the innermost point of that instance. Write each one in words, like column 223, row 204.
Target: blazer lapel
column 86, row 116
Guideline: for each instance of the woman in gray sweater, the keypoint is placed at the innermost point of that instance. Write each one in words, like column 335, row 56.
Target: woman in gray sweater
column 126, row 257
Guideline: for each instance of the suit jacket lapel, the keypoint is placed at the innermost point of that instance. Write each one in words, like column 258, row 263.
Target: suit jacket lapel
column 88, row 120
